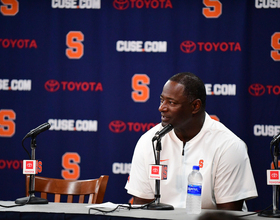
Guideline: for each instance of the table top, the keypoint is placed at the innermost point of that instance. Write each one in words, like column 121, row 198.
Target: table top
column 83, row 209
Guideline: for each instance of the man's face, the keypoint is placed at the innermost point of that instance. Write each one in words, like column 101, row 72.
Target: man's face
column 175, row 108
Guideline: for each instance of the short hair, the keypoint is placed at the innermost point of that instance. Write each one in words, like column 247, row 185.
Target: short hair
column 194, row 86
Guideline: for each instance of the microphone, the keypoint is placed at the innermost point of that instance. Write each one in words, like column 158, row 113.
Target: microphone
column 275, row 139
column 163, row 132
column 41, row 128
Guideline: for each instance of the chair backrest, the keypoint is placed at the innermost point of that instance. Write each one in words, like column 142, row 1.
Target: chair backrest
column 95, row 188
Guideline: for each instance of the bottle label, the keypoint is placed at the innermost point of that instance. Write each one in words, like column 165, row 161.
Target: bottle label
column 194, row 190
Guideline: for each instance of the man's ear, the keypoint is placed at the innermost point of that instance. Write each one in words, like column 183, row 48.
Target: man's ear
column 196, row 106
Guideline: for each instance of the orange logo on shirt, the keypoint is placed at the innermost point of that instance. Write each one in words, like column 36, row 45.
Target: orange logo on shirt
column 201, row 164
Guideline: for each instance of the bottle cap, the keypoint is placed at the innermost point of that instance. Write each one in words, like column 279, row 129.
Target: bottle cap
column 195, row 167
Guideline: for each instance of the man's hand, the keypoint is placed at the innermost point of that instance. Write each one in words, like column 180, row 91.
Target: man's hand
column 237, row 205
column 137, row 200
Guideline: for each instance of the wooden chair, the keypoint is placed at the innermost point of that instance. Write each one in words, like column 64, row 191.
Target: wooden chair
column 95, row 188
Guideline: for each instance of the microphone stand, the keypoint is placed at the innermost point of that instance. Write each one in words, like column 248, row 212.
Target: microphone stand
column 32, row 199
column 157, row 205
column 275, row 213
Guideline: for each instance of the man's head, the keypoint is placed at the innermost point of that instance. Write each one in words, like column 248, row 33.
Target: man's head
column 182, row 101
column 194, row 86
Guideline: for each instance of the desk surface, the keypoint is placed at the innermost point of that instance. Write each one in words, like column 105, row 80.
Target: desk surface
column 76, row 210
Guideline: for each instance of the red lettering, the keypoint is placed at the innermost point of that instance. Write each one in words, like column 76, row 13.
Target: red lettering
column 16, row 164
column 92, row 85
column 64, row 85
column 130, row 124
column 33, row 44
column 26, row 42
column 216, row 45
column 237, row 47
column 20, row 43
column 168, row 4
column 132, row 3
column 71, row 86
column 139, row 4
column 143, row 126
column 147, row 3
column 154, row 5
column 99, row 87
column 85, row 86
column 13, row 43
column 9, row 163
column 78, row 85
column 136, row 127
column 200, row 45
column 276, row 90
column 2, row 164
column 269, row 89
column 6, row 43
column 223, row 46
column 208, row 46
column 231, row 45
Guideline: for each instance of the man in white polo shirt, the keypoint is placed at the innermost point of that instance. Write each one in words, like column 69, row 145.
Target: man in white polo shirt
column 195, row 140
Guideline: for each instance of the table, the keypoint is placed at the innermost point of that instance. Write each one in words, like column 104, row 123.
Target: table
column 80, row 211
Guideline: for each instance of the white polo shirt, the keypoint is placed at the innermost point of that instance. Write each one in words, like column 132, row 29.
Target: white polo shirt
column 221, row 155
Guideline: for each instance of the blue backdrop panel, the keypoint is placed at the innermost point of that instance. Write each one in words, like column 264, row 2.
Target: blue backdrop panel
column 94, row 69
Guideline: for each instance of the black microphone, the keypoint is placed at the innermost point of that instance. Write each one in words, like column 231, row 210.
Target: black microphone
column 41, row 128
column 275, row 139
column 163, row 132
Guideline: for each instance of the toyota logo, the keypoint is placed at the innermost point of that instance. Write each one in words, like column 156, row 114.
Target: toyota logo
column 117, row 126
column 121, row 4
column 29, row 165
column 52, row 85
column 256, row 89
column 155, row 170
column 188, row 46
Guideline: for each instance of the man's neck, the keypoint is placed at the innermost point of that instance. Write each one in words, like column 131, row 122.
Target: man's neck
column 190, row 131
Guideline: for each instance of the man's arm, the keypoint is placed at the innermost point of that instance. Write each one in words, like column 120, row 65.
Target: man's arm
column 237, row 205
column 137, row 200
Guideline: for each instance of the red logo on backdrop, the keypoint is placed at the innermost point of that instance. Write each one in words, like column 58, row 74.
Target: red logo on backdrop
column 52, row 85
column 124, row 4
column 155, row 170
column 117, row 126
column 29, row 165
column 121, row 4
column 274, row 175
column 188, row 46
column 256, row 89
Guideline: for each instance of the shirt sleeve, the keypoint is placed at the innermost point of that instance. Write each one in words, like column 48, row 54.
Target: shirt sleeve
column 234, row 178
column 138, row 183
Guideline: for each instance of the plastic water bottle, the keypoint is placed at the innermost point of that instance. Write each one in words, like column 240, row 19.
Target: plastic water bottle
column 193, row 203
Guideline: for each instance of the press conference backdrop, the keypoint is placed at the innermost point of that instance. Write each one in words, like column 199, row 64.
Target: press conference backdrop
column 94, row 69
